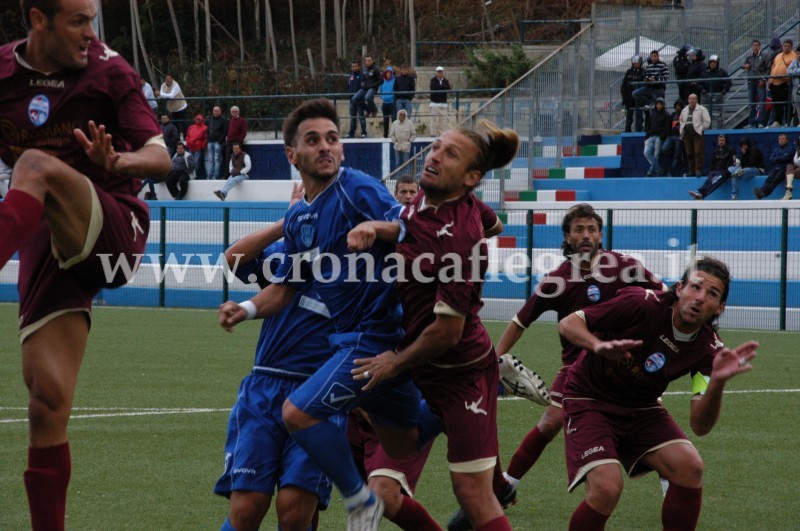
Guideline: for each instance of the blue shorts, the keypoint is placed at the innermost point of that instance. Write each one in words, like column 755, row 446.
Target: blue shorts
column 259, row 453
column 332, row 390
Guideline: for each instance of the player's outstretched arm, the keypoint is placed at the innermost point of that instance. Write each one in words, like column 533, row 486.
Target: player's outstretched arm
column 727, row 364
column 266, row 303
column 510, row 336
column 363, row 235
column 151, row 160
column 573, row 328
column 251, row 246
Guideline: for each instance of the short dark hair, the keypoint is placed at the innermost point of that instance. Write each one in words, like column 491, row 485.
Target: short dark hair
column 579, row 211
column 405, row 179
column 180, row 144
column 48, row 7
column 654, row 52
column 308, row 110
column 756, row 41
column 712, row 266
column 789, row 41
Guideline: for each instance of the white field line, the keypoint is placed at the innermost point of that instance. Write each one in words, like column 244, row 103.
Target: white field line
column 138, row 412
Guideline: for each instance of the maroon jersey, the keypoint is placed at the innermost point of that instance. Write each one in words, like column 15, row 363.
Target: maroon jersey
column 569, row 288
column 665, row 354
column 445, row 245
column 488, row 216
column 41, row 111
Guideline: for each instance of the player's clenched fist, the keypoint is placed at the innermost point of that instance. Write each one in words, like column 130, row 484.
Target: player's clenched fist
column 230, row 314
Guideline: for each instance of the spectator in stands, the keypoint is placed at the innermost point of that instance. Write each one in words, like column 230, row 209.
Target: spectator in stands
column 673, row 145
column 356, row 109
column 633, row 114
column 217, row 131
column 439, row 88
column 150, row 96
column 404, row 86
column 386, row 92
column 751, row 163
column 238, row 169
column 722, row 160
column 406, row 189
column 680, row 64
column 717, row 85
column 371, row 79
column 779, row 86
column 792, row 170
column 697, row 67
column 197, row 142
column 171, row 134
column 695, row 120
column 176, row 105
column 782, row 155
column 403, row 135
column 654, row 70
column 180, row 172
column 794, row 71
column 775, row 48
column 658, row 130
column 237, row 131
column 757, row 66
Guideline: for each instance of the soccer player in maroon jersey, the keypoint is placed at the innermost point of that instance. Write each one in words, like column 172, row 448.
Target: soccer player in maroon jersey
column 590, row 275
column 76, row 166
column 634, row 345
column 445, row 345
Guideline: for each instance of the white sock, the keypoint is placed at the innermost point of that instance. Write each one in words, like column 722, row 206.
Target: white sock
column 513, row 481
column 359, row 498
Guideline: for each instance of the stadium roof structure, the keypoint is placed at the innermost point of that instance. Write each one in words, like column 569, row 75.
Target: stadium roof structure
column 618, row 58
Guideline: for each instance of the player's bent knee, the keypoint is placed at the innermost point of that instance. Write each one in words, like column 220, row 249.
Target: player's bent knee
column 296, row 419
column 246, row 513
column 32, row 164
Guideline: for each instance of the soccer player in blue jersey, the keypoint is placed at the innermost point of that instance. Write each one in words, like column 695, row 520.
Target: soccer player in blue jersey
column 259, row 452
column 361, row 300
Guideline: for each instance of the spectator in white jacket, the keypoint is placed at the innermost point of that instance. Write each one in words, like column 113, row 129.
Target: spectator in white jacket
column 695, row 120
column 403, row 133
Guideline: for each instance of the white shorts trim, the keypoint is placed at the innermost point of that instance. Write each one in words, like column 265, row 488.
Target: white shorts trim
column 653, row 449
column 92, row 233
column 581, row 475
column 395, row 475
column 471, row 467
column 26, row 332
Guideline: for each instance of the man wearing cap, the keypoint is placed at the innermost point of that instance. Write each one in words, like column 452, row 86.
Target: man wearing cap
column 716, row 82
column 658, row 130
column 439, row 88
column 635, row 74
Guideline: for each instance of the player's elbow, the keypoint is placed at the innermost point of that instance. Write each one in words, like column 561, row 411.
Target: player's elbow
column 700, row 427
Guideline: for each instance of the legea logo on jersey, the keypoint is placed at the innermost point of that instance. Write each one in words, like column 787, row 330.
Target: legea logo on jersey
column 593, row 292
column 654, row 362
column 39, row 110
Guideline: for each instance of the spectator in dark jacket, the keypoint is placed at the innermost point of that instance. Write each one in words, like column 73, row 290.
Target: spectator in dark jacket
column 751, row 163
column 680, row 64
column 697, row 67
column 171, row 134
column 404, row 86
column 658, row 130
column 782, row 156
column 371, row 79
column 634, row 74
column 673, row 146
column 356, row 109
column 722, row 160
column 217, row 131
column 717, row 85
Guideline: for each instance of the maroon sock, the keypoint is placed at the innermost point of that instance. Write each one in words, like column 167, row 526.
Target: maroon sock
column 498, row 524
column 527, row 454
column 412, row 516
column 46, row 482
column 499, row 484
column 19, row 215
column 587, row 519
column 681, row 507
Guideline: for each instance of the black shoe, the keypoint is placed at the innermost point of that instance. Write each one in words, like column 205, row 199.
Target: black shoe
column 220, row 194
column 759, row 194
column 363, row 135
column 460, row 521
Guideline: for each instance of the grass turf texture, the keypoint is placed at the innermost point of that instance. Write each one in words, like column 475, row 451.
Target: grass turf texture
column 165, row 379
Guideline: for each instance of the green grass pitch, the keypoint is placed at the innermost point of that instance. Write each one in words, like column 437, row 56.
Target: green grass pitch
column 156, row 385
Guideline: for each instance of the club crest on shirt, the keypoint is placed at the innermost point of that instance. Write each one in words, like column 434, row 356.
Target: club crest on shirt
column 307, row 234
column 39, row 110
column 655, row 362
column 593, row 292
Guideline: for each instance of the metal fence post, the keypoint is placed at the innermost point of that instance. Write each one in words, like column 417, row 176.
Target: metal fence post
column 529, row 254
column 784, row 265
column 226, row 239
column 610, row 229
column 162, row 257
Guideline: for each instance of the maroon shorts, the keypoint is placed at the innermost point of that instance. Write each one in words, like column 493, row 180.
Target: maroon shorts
column 465, row 398
column 596, row 433
column 49, row 287
column 370, row 455
column 557, row 387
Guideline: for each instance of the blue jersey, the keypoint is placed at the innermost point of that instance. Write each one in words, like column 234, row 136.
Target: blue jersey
column 356, row 294
column 293, row 343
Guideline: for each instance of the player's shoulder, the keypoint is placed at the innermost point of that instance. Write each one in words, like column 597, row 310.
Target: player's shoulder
column 7, row 62
column 103, row 60
column 644, row 297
